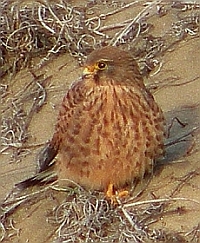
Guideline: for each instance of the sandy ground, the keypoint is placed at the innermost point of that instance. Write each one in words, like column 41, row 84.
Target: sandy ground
column 176, row 87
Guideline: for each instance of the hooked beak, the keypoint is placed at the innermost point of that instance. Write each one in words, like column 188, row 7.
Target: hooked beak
column 89, row 70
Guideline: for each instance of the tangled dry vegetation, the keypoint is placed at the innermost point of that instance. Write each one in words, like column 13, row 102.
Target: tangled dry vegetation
column 44, row 29
column 87, row 217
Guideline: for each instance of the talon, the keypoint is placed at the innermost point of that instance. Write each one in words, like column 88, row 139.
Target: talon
column 114, row 195
column 123, row 193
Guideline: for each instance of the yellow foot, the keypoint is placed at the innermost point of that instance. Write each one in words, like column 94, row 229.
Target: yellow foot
column 114, row 195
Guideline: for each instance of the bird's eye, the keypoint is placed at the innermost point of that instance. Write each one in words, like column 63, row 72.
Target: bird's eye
column 101, row 65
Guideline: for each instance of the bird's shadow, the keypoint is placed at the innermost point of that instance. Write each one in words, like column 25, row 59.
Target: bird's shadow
column 182, row 125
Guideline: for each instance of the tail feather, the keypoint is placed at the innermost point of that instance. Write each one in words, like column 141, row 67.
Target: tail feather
column 46, row 156
column 46, row 172
column 41, row 178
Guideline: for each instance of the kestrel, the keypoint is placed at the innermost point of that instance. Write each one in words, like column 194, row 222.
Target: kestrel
column 109, row 129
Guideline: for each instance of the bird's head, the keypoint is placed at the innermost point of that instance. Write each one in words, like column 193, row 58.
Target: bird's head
column 110, row 64
column 97, row 67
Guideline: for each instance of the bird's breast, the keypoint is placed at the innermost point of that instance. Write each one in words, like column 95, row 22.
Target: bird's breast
column 111, row 136
column 109, row 119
